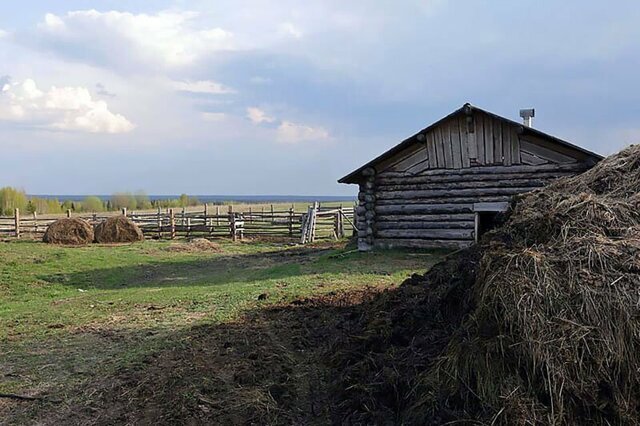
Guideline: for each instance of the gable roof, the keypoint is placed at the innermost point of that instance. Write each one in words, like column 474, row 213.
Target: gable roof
column 467, row 108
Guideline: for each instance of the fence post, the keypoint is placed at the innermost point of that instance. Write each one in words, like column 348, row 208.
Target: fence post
column 172, row 224
column 182, row 222
column 314, row 218
column 124, row 211
column 272, row 218
column 291, row 222
column 17, row 222
column 159, row 224
column 188, row 227
column 218, row 215
column 206, row 217
column 35, row 222
column 69, row 213
column 232, row 224
column 340, row 222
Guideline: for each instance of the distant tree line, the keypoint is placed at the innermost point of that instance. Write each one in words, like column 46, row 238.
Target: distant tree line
column 12, row 198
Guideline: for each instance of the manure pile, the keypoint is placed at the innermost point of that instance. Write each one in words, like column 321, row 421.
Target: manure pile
column 538, row 324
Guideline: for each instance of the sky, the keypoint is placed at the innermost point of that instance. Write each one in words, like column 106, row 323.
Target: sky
column 263, row 97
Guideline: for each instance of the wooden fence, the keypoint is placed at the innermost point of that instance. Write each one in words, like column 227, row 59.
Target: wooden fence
column 316, row 222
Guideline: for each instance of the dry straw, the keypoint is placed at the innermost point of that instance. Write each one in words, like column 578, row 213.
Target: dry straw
column 542, row 328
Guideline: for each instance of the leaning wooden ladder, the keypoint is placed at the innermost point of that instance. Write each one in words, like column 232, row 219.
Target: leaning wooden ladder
column 309, row 225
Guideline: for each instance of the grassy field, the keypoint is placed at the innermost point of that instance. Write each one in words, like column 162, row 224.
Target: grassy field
column 70, row 316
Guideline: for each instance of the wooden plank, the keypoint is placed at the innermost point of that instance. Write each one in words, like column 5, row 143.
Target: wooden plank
column 424, row 225
column 439, row 148
column 479, row 137
column 488, row 140
column 437, row 193
column 545, row 153
column 473, row 147
column 440, row 234
column 465, row 184
column 424, row 209
column 456, row 147
column 418, row 156
column 506, row 144
column 425, row 218
column 515, row 146
column 555, row 146
column 449, row 200
column 464, row 142
column 491, row 207
column 573, row 167
column 528, row 158
column 388, row 243
column 420, row 167
column 397, row 158
column 443, row 134
column 431, row 149
column 497, row 142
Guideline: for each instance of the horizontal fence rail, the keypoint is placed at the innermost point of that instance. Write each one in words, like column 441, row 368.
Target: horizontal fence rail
column 317, row 222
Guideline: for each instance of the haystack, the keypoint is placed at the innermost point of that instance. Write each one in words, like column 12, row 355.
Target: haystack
column 539, row 324
column 71, row 231
column 118, row 229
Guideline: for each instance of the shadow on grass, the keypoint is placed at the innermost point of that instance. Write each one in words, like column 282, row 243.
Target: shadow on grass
column 269, row 367
column 227, row 268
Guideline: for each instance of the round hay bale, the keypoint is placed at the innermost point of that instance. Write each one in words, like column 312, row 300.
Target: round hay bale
column 69, row 231
column 118, row 229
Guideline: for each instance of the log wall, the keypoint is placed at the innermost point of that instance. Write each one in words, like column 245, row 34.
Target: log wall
column 436, row 208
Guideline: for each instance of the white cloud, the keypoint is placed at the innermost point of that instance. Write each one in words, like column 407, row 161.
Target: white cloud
column 52, row 22
column 289, row 29
column 64, row 108
column 288, row 132
column 293, row 133
column 206, row 86
column 257, row 116
column 171, row 38
column 3, row 34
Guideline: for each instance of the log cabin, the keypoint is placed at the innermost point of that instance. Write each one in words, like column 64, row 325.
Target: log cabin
column 443, row 186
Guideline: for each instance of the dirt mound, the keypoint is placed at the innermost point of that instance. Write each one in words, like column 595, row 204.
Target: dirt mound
column 195, row 245
column 118, row 229
column 540, row 324
column 71, row 231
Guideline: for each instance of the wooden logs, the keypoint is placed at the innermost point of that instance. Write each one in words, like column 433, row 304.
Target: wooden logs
column 366, row 210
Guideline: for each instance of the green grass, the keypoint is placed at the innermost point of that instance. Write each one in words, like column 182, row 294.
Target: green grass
column 68, row 314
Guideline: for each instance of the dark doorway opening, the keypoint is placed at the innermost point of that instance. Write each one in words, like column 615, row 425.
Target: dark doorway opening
column 486, row 221
column 488, row 217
